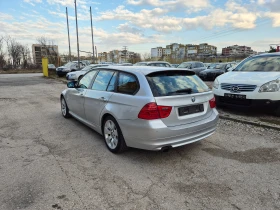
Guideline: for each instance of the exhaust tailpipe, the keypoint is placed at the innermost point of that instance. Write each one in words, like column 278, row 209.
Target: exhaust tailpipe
column 166, row 148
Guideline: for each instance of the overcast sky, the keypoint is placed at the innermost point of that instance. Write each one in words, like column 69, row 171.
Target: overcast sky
column 143, row 24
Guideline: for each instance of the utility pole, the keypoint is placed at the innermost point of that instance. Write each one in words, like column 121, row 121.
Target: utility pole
column 92, row 36
column 78, row 50
column 125, row 49
column 96, row 52
column 68, row 35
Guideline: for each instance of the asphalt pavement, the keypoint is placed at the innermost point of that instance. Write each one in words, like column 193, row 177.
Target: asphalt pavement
column 48, row 162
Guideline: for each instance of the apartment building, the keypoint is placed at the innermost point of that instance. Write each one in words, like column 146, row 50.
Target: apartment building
column 117, row 56
column 236, row 50
column 181, row 51
column 39, row 51
column 205, row 49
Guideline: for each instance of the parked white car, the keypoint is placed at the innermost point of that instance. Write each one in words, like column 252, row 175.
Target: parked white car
column 255, row 82
column 77, row 75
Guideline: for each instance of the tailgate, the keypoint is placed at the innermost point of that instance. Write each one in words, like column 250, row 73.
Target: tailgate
column 186, row 108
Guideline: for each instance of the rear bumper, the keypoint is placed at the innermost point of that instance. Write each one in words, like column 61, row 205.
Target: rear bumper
column 249, row 103
column 154, row 134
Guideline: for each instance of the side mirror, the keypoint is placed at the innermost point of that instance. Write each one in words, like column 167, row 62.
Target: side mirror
column 71, row 84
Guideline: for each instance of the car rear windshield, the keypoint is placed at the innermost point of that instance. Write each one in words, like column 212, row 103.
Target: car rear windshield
column 262, row 63
column 168, row 83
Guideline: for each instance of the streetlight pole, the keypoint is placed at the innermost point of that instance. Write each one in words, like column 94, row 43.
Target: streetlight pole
column 92, row 36
column 77, row 35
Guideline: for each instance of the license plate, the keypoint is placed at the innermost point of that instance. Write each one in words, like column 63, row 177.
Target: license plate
column 235, row 96
column 191, row 109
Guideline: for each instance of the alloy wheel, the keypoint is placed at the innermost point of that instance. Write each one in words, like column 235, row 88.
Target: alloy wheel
column 111, row 134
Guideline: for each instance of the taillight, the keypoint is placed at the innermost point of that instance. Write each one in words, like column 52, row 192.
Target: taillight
column 212, row 103
column 152, row 111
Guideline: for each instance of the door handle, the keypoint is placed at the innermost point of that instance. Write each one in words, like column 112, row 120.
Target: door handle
column 103, row 99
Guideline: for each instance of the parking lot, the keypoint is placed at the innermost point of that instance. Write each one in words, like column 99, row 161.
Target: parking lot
column 48, row 162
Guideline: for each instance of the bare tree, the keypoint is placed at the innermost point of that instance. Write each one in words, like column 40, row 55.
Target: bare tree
column 25, row 54
column 14, row 49
column 2, row 54
column 146, row 56
column 48, row 49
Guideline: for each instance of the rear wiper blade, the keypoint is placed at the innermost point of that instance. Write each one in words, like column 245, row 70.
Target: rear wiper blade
column 187, row 90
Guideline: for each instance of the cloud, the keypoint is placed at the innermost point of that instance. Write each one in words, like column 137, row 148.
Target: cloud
column 32, row 2
column 275, row 18
column 4, row 16
column 130, row 29
column 272, row 5
column 157, row 19
column 195, row 5
column 69, row 3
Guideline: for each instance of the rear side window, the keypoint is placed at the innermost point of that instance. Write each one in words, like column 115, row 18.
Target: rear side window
column 127, row 84
column 167, row 83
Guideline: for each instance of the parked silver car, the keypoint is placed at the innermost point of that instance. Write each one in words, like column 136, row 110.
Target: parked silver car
column 153, row 108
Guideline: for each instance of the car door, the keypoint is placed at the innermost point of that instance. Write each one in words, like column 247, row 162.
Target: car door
column 76, row 95
column 195, row 68
column 98, row 95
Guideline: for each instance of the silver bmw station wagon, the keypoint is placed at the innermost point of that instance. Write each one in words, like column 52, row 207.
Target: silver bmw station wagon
column 151, row 108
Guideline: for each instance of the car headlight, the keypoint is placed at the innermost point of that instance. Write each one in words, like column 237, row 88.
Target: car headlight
column 272, row 86
column 216, row 84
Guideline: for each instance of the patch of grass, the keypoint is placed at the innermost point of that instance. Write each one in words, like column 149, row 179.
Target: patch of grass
column 21, row 71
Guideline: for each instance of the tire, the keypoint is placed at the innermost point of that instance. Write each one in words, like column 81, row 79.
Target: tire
column 113, row 135
column 64, row 108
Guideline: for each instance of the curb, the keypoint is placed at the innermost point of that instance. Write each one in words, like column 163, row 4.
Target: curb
column 259, row 124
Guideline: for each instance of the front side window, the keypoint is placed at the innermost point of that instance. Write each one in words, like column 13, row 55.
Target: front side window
column 86, row 80
column 102, row 80
column 262, row 63
column 175, row 82
column 127, row 84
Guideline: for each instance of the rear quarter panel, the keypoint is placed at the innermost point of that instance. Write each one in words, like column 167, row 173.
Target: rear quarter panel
column 127, row 107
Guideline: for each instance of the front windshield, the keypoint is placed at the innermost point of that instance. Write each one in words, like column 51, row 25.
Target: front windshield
column 185, row 65
column 262, row 63
column 69, row 64
column 87, row 68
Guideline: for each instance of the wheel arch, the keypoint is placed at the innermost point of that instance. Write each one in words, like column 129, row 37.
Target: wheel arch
column 103, row 119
